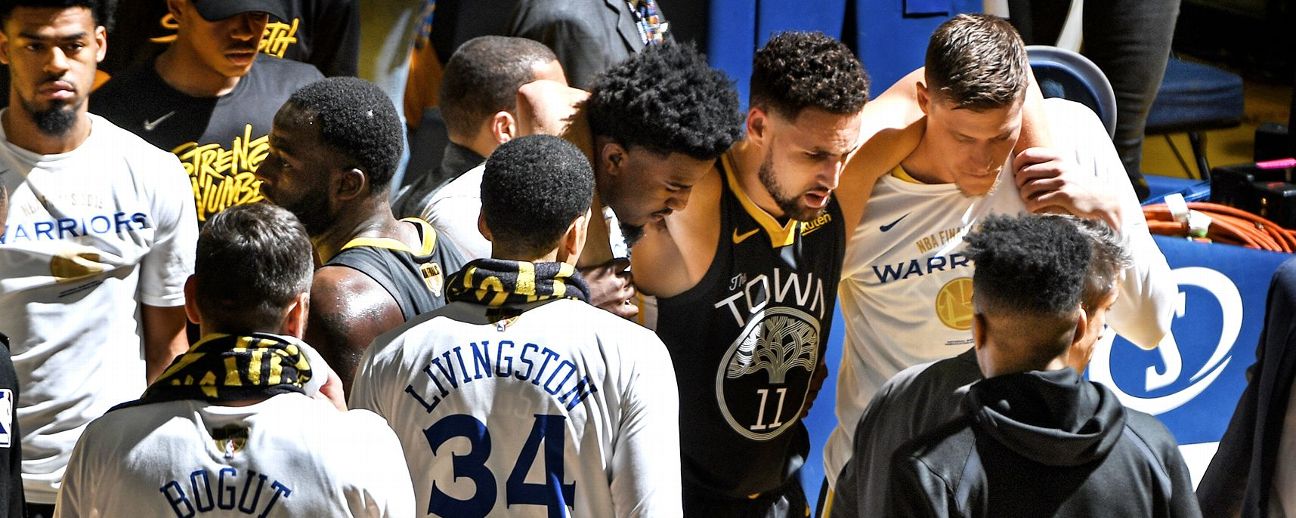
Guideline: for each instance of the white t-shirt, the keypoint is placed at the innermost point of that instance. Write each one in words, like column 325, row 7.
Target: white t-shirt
column 455, row 207
column 563, row 409
column 91, row 234
column 287, row 456
column 906, row 286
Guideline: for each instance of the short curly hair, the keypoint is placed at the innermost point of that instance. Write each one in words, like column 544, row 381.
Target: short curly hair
column 359, row 122
column 1029, row 264
column 798, row 70
column 667, row 99
column 978, row 62
column 532, row 189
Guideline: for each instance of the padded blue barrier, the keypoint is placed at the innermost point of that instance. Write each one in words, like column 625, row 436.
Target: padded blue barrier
column 891, row 35
column 732, row 41
column 1193, row 382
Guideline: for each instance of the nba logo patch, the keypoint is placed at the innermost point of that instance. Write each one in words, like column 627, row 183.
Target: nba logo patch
column 6, row 417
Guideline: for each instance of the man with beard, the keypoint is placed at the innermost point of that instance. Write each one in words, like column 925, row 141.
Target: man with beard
column 209, row 97
column 98, row 243
column 745, row 276
column 333, row 150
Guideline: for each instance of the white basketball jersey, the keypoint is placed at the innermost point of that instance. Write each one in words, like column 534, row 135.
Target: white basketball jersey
column 563, row 410
column 287, row 456
column 906, row 289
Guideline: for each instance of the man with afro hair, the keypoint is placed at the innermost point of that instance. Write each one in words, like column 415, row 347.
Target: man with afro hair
column 333, row 150
column 657, row 122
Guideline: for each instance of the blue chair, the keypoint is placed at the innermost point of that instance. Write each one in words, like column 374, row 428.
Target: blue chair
column 1192, row 99
column 1066, row 74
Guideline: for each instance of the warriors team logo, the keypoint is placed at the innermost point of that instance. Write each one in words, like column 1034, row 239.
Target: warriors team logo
column 954, row 304
column 765, row 377
column 230, row 439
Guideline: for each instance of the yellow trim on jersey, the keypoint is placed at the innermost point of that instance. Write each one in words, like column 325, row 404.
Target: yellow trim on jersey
column 428, row 234
column 780, row 235
column 901, row 174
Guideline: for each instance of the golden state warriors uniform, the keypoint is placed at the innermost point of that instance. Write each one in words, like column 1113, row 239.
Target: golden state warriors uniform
column 745, row 342
column 906, row 286
column 415, row 278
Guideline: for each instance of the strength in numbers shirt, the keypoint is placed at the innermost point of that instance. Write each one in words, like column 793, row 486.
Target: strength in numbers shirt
column 219, row 140
column 564, row 410
column 91, row 234
column 746, row 341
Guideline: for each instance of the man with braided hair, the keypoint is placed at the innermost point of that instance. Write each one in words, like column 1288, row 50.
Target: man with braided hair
column 242, row 420
column 518, row 359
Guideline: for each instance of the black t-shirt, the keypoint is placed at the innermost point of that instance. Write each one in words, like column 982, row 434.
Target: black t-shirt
column 745, row 342
column 11, row 487
column 219, row 140
column 324, row 33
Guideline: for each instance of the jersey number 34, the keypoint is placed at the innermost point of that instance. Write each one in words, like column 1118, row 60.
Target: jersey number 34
column 553, row 494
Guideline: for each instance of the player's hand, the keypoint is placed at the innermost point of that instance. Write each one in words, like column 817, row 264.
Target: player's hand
column 1050, row 183
column 816, row 383
column 332, row 392
column 612, row 287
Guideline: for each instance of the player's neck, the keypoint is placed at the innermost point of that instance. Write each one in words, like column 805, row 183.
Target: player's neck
column 372, row 218
column 921, row 165
column 21, row 130
column 747, row 160
column 184, row 71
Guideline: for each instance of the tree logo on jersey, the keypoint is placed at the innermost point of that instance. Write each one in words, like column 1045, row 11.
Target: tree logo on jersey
column 230, row 439
column 222, row 178
column 765, row 376
column 954, row 304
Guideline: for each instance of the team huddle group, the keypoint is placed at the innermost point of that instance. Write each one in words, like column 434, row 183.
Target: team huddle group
column 611, row 302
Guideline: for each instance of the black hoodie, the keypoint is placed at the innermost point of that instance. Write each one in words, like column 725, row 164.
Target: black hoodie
column 1043, row 444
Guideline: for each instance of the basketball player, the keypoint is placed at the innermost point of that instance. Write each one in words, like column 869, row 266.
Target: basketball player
column 518, row 359
column 906, row 284
column 233, row 426
column 334, row 147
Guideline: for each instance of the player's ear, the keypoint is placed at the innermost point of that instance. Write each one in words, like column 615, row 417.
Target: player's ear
column 294, row 323
column 757, row 124
column 191, row 300
column 503, row 127
column 613, row 157
column 573, row 241
column 923, row 96
column 482, row 227
column 350, row 183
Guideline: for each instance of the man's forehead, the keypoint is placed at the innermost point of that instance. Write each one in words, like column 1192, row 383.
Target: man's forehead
column 817, row 129
column 61, row 21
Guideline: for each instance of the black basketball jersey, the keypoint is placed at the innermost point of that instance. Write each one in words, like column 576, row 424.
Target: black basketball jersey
column 746, row 340
column 415, row 278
